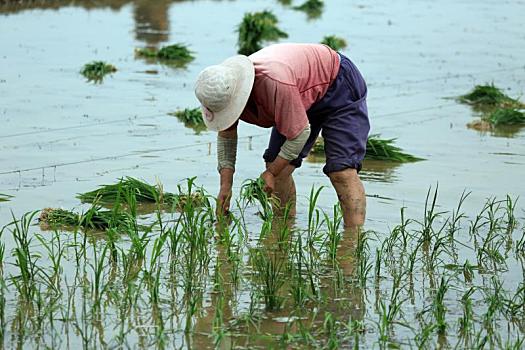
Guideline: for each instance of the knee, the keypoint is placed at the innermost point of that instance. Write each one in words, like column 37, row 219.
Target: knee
column 345, row 176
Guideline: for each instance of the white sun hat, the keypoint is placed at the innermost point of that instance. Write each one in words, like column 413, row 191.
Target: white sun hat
column 223, row 91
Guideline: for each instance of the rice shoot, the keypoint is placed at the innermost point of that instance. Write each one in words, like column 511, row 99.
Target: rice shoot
column 335, row 42
column 312, row 8
column 191, row 117
column 143, row 192
column 97, row 70
column 506, row 116
column 256, row 28
column 177, row 54
column 94, row 218
column 489, row 96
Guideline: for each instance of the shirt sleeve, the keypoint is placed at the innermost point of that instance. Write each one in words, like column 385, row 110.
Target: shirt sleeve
column 284, row 102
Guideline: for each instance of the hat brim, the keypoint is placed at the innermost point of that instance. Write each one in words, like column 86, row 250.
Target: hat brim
column 225, row 118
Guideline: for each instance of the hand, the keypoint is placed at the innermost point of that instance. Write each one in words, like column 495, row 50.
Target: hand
column 269, row 182
column 223, row 201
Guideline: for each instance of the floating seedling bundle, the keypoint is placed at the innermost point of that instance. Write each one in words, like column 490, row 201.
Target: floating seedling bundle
column 489, row 97
column 177, row 54
column 256, row 28
column 95, row 218
column 97, row 70
column 335, row 42
column 497, row 108
column 312, row 8
column 191, row 117
column 143, row 193
column 376, row 149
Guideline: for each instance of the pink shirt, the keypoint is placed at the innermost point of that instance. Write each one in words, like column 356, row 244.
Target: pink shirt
column 289, row 78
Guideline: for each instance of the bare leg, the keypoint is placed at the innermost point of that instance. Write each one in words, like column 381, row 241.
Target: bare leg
column 285, row 190
column 351, row 194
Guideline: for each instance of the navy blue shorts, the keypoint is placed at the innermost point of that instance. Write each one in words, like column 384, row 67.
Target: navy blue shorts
column 342, row 118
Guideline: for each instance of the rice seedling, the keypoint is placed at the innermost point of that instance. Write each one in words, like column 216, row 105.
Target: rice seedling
column 376, row 149
column 252, row 191
column 506, row 116
column 143, row 193
column 25, row 260
column 177, row 55
column 95, row 218
column 268, row 270
column 312, row 8
column 335, row 42
column 192, row 118
column 96, row 71
column 5, row 197
column 256, row 28
column 384, row 149
column 438, row 308
column 489, row 96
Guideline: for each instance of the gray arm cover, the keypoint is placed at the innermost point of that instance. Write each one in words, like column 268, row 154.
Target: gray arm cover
column 291, row 148
column 226, row 152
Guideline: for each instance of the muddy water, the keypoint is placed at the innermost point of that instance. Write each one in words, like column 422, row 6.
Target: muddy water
column 61, row 135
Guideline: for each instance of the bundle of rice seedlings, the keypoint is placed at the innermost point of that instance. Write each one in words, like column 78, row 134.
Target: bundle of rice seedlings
column 285, row 2
column 312, row 8
column 335, row 42
column 376, row 149
column 94, row 218
column 96, row 70
column 191, row 117
column 176, row 54
column 506, row 116
column 489, row 96
column 252, row 191
column 256, row 28
column 384, row 149
column 5, row 197
column 143, row 192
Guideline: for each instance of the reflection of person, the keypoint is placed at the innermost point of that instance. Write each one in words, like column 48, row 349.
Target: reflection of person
column 299, row 90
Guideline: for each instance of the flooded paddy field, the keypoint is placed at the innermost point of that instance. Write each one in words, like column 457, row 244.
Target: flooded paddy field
column 419, row 275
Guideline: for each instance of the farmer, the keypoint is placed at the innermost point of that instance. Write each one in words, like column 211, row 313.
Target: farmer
column 298, row 90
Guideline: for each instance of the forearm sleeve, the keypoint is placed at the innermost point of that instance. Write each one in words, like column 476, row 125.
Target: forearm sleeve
column 226, row 152
column 291, row 148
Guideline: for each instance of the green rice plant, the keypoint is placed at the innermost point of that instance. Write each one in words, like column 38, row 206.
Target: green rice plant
column 333, row 232
column 191, row 117
column 96, row 71
column 312, row 8
column 489, row 96
column 5, row 197
column 177, row 54
column 256, row 28
column 143, row 193
column 438, row 308
column 506, row 116
column 25, row 260
column 95, row 218
column 335, row 42
column 268, row 271
column 376, row 149
column 384, row 149
column 55, row 252
column 252, row 191
column 466, row 321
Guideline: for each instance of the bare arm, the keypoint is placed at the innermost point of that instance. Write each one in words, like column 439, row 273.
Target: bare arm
column 226, row 156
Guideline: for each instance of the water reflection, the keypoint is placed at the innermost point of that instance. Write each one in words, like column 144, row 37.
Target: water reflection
column 372, row 171
column 342, row 296
column 151, row 17
column 485, row 128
